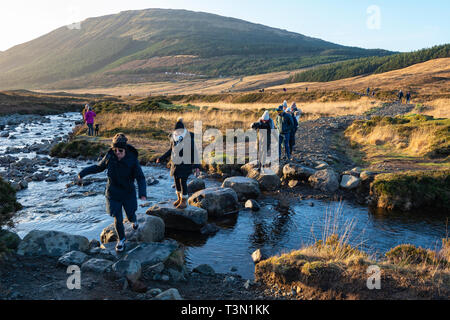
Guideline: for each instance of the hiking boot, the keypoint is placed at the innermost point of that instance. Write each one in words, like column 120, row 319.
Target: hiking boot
column 135, row 225
column 182, row 204
column 176, row 203
column 120, row 245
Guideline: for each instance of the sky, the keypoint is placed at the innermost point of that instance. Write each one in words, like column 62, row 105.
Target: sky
column 396, row 25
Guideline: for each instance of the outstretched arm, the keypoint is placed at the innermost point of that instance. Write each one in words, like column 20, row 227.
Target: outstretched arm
column 97, row 168
column 166, row 155
column 140, row 178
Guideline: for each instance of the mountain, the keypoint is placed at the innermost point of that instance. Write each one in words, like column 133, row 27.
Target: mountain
column 156, row 44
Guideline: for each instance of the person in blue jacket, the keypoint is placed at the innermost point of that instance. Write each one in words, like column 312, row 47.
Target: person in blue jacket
column 284, row 124
column 123, row 167
column 290, row 112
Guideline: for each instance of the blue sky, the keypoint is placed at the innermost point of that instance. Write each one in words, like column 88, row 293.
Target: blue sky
column 394, row 25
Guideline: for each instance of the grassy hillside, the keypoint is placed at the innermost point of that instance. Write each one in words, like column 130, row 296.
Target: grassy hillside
column 28, row 102
column 128, row 47
column 371, row 65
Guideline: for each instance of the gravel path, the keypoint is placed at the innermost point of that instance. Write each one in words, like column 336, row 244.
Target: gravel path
column 314, row 138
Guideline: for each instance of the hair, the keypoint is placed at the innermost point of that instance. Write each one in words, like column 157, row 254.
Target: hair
column 179, row 124
column 119, row 141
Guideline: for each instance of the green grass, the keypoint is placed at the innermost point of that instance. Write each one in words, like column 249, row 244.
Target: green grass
column 407, row 254
column 149, row 132
column 148, row 105
column 413, row 189
column 405, row 126
column 8, row 207
column 78, row 147
column 8, row 203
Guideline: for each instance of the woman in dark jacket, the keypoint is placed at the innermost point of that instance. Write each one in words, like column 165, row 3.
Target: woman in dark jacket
column 181, row 164
column 123, row 168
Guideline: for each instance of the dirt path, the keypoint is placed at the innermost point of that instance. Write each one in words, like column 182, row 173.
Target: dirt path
column 314, row 138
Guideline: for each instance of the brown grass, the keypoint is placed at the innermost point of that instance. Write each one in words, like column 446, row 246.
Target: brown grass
column 439, row 108
column 427, row 78
column 311, row 110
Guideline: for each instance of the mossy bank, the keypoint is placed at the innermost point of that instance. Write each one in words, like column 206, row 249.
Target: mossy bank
column 412, row 190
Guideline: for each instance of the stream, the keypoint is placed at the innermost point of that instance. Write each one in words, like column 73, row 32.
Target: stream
column 81, row 210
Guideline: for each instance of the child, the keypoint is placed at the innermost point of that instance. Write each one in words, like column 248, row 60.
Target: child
column 123, row 168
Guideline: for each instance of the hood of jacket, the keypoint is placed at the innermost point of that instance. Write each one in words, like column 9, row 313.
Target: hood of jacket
column 130, row 152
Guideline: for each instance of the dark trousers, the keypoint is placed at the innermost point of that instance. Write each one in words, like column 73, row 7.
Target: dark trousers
column 90, row 129
column 114, row 208
column 292, row 141
column 181, row 185
column 284, row 140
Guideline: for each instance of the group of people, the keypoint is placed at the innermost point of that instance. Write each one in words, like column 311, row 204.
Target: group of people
column 123, row 168
column 407, row 97
column 89, row 119
column 286, row 124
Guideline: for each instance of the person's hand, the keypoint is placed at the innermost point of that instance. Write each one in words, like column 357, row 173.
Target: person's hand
column 158, row 161
column 143, row 198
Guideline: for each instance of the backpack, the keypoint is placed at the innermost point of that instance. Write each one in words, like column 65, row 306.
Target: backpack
column 285, row 123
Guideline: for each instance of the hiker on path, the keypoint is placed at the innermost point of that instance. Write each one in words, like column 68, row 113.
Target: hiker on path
column 296, row 112
column 123, row 167
column 408, row 97
column 284, row 124
column 181, row 140
column 264, row 126
column 368, row 91
column 89, row 118
column 400, row 96
column 85, row 110
column 293, row 130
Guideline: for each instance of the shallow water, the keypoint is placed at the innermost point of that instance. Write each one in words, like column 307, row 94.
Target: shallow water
column 81, row 210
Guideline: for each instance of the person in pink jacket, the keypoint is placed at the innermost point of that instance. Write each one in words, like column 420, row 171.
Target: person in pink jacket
column 89, row 118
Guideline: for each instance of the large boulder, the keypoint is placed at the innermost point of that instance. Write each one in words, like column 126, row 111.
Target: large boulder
column 51, row 243
column 246, row 168
column 73, row 258
column 325, row 180
column 217, row 201
column 149, row 254
column 189, row 219
column 151, row 229
column 350, row 182
column 245, row 188
column 292, row 171
column 195, row 185
column 97, row 265
column 130, row 269
column 268, row 180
